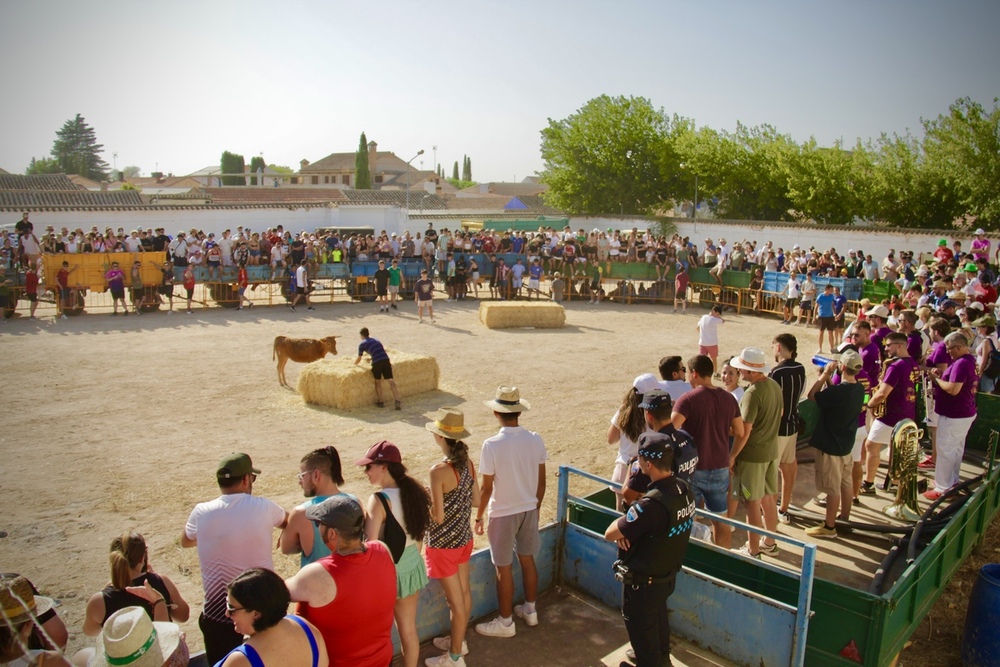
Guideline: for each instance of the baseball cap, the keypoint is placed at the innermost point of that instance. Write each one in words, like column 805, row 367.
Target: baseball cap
column 235, row 465
column 851, row 360
column 653, row 400
column 381, row 452
column 878, row 311
column 948, row 303
column 646, row 383
column 341, row 512
column 653, row 444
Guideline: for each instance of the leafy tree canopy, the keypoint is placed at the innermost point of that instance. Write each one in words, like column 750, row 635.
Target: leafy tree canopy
column 77, row 152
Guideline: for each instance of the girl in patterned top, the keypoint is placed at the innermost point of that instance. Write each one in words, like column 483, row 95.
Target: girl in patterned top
column 454, row 492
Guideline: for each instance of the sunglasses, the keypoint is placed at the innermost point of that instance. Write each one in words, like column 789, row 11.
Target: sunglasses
column 230, row 609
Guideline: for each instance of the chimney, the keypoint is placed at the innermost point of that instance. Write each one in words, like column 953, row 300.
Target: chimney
column 303, row 164
column 372, row 160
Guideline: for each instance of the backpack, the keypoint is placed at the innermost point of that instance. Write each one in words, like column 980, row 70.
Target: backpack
column 392, row 533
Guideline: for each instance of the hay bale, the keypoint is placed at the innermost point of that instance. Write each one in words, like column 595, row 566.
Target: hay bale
column 517, row 314
column 338, row 383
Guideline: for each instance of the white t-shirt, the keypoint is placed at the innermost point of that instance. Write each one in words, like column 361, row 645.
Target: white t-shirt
column 234, row 533
column 676, row 388
column 301, row 279
column 708, row 330
column 627, row 448
column 512, row 456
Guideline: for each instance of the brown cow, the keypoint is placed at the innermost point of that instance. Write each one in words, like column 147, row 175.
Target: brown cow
column 301, row 350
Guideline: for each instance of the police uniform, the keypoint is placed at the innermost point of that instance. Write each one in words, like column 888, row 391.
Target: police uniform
column 658, row 528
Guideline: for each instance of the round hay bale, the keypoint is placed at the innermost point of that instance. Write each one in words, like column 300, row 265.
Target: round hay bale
column 522, row 314
column 338, row 383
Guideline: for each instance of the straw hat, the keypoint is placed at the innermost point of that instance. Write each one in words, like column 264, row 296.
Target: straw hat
column 448, row 423
column 508, row 399
column 131, row 639
column 19, row 602
column 751, row 359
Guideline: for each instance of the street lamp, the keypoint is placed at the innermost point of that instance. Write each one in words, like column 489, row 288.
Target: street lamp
column 419, row 153
column 694, row 205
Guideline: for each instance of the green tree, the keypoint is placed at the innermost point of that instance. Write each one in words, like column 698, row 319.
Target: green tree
column 256, row 162
column 362, row 170
column 231, row 163
column 43, row 165
column 454, row 171
column 605, row 157
column 465, row 168
column 823, row 184
column 77, row 151
column 963, row 147
column 131, row 171
column 281, row 169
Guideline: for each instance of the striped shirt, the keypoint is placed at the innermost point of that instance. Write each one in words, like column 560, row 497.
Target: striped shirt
column 791, row 376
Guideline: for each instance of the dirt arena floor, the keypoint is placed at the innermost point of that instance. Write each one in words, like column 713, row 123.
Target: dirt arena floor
column 118, row 423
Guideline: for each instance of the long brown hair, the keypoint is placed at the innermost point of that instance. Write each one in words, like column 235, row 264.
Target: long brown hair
column 415, row 499
column 631, row 420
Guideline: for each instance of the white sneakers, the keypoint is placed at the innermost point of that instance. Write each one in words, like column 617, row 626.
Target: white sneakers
column 444, row 660
column 531, row 618
column 496, row 628
column 444, row 644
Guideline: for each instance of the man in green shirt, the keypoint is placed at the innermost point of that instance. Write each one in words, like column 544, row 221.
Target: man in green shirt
column 754, row 457
column 395, row 280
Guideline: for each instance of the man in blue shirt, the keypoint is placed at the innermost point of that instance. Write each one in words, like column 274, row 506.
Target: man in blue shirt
column 826, row 311
column 381, row 367
column 839, row 311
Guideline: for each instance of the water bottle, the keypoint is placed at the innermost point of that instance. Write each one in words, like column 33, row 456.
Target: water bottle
column 821, row 362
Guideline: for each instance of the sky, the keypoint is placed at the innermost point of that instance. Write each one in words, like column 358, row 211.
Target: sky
column 170, row 85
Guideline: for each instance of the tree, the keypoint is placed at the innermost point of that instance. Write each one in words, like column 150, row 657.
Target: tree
column 454, row 171
column 469, row 168
column 605, row 158
column 43, row 165
column 281, row 169
column 822, row 182
column 256, row 162
column 231, row 163
column 131, row 171
column 362, row 170
column 77, row 151
column 963, row 147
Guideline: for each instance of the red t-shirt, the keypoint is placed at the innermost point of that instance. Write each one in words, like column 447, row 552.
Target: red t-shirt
column 241, row 279
column 31, row 283
column 681, row 283
column 63, row 278
column 357, row 625
column 189, row 280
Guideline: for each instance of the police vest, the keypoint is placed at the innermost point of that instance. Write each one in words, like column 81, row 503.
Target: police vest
column 659, row 556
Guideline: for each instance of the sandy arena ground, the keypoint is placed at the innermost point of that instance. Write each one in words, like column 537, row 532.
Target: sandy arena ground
column 117, row 423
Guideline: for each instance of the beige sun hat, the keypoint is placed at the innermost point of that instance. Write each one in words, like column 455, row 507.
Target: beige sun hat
column 751, row 359
column 131, row 639
column 448, row 423
column 508, row 399
column 19, row 602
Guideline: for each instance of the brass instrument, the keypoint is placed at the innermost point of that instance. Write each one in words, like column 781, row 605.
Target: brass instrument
column 904, row 455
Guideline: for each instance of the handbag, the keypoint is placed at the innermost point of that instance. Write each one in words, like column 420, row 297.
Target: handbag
column 992, row 370
column 392, row 533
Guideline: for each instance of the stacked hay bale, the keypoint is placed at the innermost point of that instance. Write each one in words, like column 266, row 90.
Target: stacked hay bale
column 338, row 383
column 520, row 314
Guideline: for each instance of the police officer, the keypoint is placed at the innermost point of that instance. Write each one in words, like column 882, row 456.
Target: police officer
column 652, row 539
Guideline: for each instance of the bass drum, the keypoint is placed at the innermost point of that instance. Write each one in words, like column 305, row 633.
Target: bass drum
column 151, row 299
column 76, row 303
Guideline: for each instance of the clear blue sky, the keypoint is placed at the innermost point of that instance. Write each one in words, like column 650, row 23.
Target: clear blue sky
column 173, row 84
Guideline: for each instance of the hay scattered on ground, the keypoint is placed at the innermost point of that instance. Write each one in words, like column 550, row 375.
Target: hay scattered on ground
column 340, row 384
column 522, row 314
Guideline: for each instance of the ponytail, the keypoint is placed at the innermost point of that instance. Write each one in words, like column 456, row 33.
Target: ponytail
column 415, row 499
column 458, row 453
column 127, row 552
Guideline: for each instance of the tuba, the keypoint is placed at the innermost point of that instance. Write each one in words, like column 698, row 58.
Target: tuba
column 904, row 454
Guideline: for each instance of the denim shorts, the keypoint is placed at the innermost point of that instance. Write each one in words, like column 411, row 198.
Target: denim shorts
column 711, row 487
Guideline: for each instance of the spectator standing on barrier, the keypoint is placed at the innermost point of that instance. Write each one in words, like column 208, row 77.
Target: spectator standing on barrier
column 834, row 436
column 791, row 292
column 513, row 467
column 754, row 456
column 893, row 400
column 955, row 403
column 31, row 288
column 708, row 335
column 320, row 476
column 791, row 377
column 233, row 533
column 652, row 540
column 711, row 415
